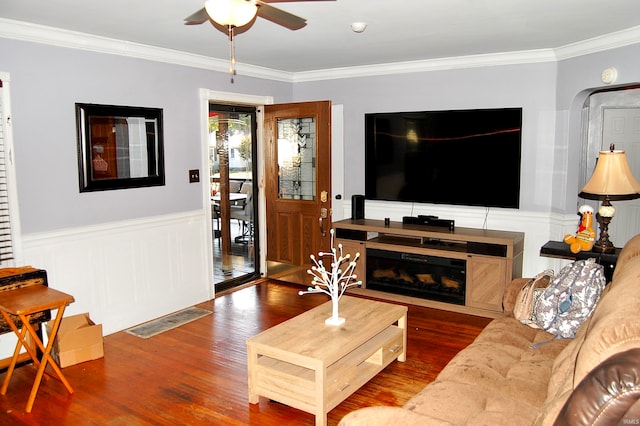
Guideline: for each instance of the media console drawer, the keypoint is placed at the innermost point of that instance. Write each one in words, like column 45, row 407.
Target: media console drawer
column 351, row 234
column 498, row 250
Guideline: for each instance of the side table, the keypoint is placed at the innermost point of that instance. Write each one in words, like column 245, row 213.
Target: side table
column 23, row 303
column 16, row 277
column 560, row 249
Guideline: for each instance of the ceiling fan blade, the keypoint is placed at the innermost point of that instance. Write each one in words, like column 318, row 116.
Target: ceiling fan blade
column 279, row 16
column 197, row 18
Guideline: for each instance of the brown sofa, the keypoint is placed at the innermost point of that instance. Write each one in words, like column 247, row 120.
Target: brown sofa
column 499, row 380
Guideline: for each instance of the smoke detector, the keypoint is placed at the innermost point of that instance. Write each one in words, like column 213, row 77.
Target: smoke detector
column 609, row 75
column 358, row 27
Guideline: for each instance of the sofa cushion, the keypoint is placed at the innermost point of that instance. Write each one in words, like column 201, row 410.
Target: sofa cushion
column 560, row 383
column 510, row 296
column 629, row 255
column 615, row 324
column 496, row 378
column 388, row 416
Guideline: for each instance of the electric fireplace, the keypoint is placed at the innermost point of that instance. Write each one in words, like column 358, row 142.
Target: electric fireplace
column 428, row 277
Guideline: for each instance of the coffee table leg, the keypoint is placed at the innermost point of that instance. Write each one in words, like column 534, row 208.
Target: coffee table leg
column 321, row 419
column 321, row 403
column 402, row 323
column 252, row 363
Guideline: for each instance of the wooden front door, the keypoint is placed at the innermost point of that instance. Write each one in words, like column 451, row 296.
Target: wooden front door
column 297, row 181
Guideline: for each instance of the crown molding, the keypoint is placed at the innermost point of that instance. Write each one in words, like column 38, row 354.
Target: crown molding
column 471, row 61
column 25, row 31
column 609, row 41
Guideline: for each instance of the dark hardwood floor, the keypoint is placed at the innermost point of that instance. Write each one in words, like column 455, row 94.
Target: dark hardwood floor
column 197, row 374
column 242, row 257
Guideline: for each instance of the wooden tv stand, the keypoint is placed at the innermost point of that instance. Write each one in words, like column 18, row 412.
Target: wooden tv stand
column 493, row 258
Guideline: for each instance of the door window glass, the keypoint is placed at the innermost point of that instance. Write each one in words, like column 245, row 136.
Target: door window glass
column 232, row 133
column 297, row 158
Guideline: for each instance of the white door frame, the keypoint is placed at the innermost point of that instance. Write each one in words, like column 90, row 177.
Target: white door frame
column 211, row 96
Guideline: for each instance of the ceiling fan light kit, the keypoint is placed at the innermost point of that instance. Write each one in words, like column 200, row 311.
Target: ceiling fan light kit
column 237, row 13
column 231, row 12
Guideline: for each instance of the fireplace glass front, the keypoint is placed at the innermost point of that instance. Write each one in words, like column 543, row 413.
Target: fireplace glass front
column 427, row 277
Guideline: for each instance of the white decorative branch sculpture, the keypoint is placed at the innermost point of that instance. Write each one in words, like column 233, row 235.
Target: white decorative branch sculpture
column 335, row 281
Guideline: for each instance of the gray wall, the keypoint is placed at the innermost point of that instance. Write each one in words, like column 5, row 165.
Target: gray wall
column 577, row 78
column 530, row 86
column 47, row 81
column 551, row 95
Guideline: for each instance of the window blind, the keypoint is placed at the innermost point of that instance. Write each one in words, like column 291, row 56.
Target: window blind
column 6, row 239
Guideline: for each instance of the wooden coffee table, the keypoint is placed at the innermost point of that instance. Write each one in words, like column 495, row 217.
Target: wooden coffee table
column 311, row 366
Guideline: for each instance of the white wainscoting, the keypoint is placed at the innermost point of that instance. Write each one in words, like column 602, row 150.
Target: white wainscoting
column 128, row 272
column 538, row 227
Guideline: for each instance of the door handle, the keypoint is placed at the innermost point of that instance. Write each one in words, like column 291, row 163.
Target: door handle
column 323, row 215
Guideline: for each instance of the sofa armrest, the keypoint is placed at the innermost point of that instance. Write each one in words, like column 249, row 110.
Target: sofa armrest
column 511, row 292
column 609, row 394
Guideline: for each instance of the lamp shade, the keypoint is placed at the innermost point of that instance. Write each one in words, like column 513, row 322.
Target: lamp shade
column 234, row 13
column 612, row 178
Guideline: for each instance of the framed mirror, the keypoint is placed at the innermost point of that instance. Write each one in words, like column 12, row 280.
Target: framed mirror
column 119, row 147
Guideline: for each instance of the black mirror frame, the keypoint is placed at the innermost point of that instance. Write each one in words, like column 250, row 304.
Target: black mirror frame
column 85, row 165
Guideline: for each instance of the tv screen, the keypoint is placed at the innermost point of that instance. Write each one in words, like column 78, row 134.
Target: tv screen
column 460, row 157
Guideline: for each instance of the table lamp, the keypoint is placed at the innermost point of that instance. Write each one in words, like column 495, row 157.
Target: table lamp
column 612, row 180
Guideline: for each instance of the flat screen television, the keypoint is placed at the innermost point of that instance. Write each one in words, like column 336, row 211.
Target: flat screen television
column 459, row 157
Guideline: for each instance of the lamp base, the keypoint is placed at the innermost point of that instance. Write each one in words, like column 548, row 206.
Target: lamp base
column 603, row 245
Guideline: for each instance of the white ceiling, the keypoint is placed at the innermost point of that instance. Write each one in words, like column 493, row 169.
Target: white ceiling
column 398, row 30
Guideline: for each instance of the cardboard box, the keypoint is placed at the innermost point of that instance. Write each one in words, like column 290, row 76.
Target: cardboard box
column 78, row 340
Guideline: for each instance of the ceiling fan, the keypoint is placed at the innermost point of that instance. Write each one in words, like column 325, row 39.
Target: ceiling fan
column 224, row 11
column 232, row 14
